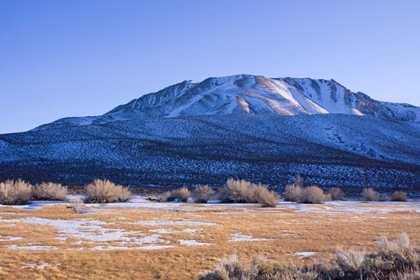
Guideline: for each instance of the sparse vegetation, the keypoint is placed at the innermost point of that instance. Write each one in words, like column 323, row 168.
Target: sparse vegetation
column 15, row 192
column 264, row 196
column 236, row 191
column 181, row 194
column 313, row 194
column 203, row 193
column 394, row 260
column 369, row 194
column 49, row 191
column 293, row 193
column 400, row 196
column 336, row 194
column 384, row 197
column 76, row 205
column 105, row 191
column 162, row 197
column 242, row 191
column 351, row 261
column 280, row 234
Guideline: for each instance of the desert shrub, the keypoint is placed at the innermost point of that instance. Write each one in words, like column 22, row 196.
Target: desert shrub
column 336, row 194
column 264, row 196
column 351, row 260
column 406, row 274
column 49, row 191
column 394, row 260
column 162, row 197
column 399, row 196
column 397, row 255
column 15, row 192
column 230, row 268
column 400, row 244
column 328, row 269
column 105, row 191
column 76, row 205
column 265, row 268
column 293, row 193
column 313, row 194
column 369, row 194
column 262, row 268
column 181, row 194
column 202, row 193
column 384, row 197
column 237, row 191
column 242, row 191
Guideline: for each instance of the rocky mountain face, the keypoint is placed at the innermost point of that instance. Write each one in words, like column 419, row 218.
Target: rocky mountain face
column 251, row 127
column 247, row 94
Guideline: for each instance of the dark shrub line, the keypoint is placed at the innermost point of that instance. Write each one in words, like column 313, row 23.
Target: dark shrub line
column 393, row 260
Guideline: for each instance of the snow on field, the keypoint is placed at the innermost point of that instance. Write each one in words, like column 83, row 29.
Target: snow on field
column 354, row 207
column 182, row 223
column 32, row 247
column 239, row 237
column 93, row 234
column 192, row 243
column 305, row 254
column 38, row 266
column 90, row 230
column 10, row 238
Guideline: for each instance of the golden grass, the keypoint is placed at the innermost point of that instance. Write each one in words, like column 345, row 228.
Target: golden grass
column 287, row 231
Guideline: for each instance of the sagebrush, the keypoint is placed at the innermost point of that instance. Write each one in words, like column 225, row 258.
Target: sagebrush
column 237, row 191
column 202, row 194
column 105, row 191
column 399, row 196
column 293, row 193
column 313, row 194
column 369, row 194
column 396, row 259
column 336, row 193
column 264, row 196
column 15, row 192
column 242, row 191
column 181, row 194
column 49, row 191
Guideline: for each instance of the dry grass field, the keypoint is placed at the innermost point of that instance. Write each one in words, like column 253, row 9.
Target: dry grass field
column 151, row 240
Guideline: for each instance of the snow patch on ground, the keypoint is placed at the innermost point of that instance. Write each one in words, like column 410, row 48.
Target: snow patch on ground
column 32, row 247
column 38, row 266
column 192, row 243
column 176, row 223
column 10, row 238
column 89, row 230
column 239, row 237
column 357, row 207
column 305, row 254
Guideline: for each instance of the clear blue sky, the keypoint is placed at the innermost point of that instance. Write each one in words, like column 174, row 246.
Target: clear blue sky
column 63, row 58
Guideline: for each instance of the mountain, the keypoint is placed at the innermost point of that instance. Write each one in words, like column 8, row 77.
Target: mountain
column 247, row 94
column 250, row 127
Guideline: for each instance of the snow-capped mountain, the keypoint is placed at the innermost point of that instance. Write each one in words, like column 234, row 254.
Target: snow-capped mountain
column 250, row 127
column 247, row 94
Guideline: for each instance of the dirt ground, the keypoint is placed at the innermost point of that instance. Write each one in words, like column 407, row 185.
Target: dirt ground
column 151, row 240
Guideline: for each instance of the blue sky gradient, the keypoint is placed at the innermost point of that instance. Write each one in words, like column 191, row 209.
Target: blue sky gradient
column 84, row 57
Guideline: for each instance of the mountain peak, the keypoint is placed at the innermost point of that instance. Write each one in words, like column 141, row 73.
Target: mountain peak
column 246, row 94
column 252, row 94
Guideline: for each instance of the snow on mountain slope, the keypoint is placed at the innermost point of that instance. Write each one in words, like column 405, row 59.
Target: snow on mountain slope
column 327, row 149
column 248, row 94
column 257, row 94
column 252, row 127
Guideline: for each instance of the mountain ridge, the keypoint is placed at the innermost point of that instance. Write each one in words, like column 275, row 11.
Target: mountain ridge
column 246, row 127
column 252, row 94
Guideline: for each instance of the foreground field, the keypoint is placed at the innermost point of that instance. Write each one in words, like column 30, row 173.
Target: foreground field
column 147, row 240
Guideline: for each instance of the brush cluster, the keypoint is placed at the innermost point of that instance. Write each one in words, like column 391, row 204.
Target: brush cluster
column 393, row 260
